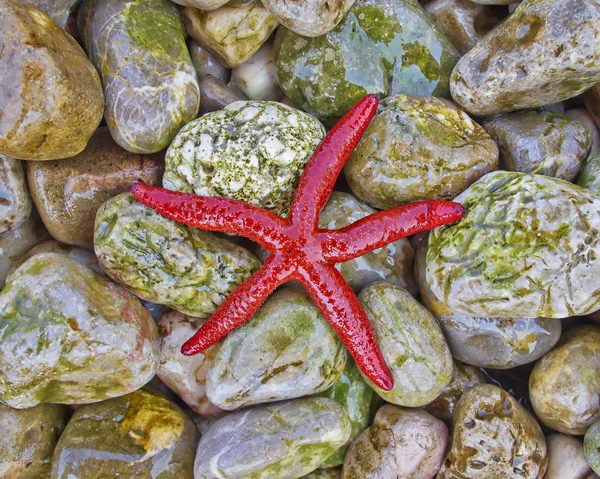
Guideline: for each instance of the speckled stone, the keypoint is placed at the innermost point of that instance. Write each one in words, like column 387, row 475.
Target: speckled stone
column 185, row 375
column 140, row 435
column 564, row 386
column 57, row 10
column 528, row 246
column 411, row 343
column 233, row 32
column 205, row 63
column 68, row 193
column 287, row 350
column 419, row 148
column 69, row 335
column 591, row 444
column 540, row 142
column 566, row 458
column 380, row 47
column 257, row 77
column 150, row 84
column 546, row 51
column 164, row 262
column 15, row 205
column 249, row 151
column 392, row 263
column 590, row 175
column 51, row 97
column 298, row 436
column 493, row 436
column 401, row 443
column 28, row 439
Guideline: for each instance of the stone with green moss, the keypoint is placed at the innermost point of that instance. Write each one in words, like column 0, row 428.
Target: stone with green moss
column 164, row 262
column 287, row 350
column 528, row 247
column 380, row 47
column 591, row 446
column 541, row 142
column 150, row 85
column 401, row 443
column 251, row 151
column 411, row 343
column 28, row 440
column 285, row 440
column 546, row 51
column 564, row 385
column 392, row 263
column 358, row 400
column 69, row 335
column 140, row 435
column 590, row 175
column 419, row 148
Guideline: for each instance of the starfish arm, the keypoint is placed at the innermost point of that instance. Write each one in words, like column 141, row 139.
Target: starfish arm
column 379, row 229
column 321, row 172
column 239, row 306
column 214, row 214
column 342, row 310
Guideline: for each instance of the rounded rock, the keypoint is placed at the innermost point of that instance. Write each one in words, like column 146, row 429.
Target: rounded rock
column 202, row 4
column 324, row 474
column 566, row 458
column 564, row 386
column 216, row 95
column 15, row 208
column 257, row 77
column 425, row 148
column 411, row 343
column 592, row 102
column 591, row 446
column 205, row 63
column 590, row 175
column 58, row 10
column 582, row 115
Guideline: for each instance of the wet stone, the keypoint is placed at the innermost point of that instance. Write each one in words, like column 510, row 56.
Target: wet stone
column 202, row 4
column 590, row 175
column 15, row 203
column 566, row 458
column 287, row 350
column 216, row 95
column 205, row 63
column 324, row 474
column 257, row 77
column 591, row 445
column 69, row 335
column 57, row 10
column 592, row 102
column 582, row 115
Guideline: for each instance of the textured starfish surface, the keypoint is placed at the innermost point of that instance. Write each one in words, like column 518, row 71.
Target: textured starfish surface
column 299, row 250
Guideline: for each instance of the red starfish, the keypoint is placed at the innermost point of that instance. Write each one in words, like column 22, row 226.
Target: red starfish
column 299, row 249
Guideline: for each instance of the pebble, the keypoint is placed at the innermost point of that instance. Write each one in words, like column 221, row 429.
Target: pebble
column 205, row 63
column 15, row 205
column 257, row 77
column 566, row 458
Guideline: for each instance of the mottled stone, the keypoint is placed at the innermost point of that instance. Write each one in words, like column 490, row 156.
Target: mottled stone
column 57, row 10
column 216, row 95
column 205, row 63
column 590, row 175
column 463, row 378
column 287, row 350
column 411, row 343
column 257, row 77
column 150, row 86
column 140, row 435
column 392, row 263
column 185, row 375
column 298, row 435
column 51, row 98
column 233, row 32
column 249, row 151
column 564, row 385
column 540, row 142
column 566, row 458
column 419, row 148
column 582, row 115
column 493, row 436
column 528, row 246
column 28, row 439
column 358, row 400
column 401, row 443
column 69, row 335
column 380, row 46
column 159, row 260
column 592, row 102
column 324, row 474
column 15, row 203
column 68, row 193
column 202, row 4
column 591, row 444
column 546, row 51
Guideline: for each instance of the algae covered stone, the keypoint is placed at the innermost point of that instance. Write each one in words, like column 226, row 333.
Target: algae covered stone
column 540, row 142
column 528, row 246
column 401, row 443
column 150, row 85
column 15, row 204
column 28, row 439
column 381, row 46
column 51, row 98
column 419, row 148
column 140, row 435
column 411, row 343
column 392, row 263
column 590, row 175
column 287, row 350
column 545, row 52
column 494, row 436
column 69, row 335
column 591, row 446
column 564, row 386
column 164, row 262
column 249, row 151
column 298, row 435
